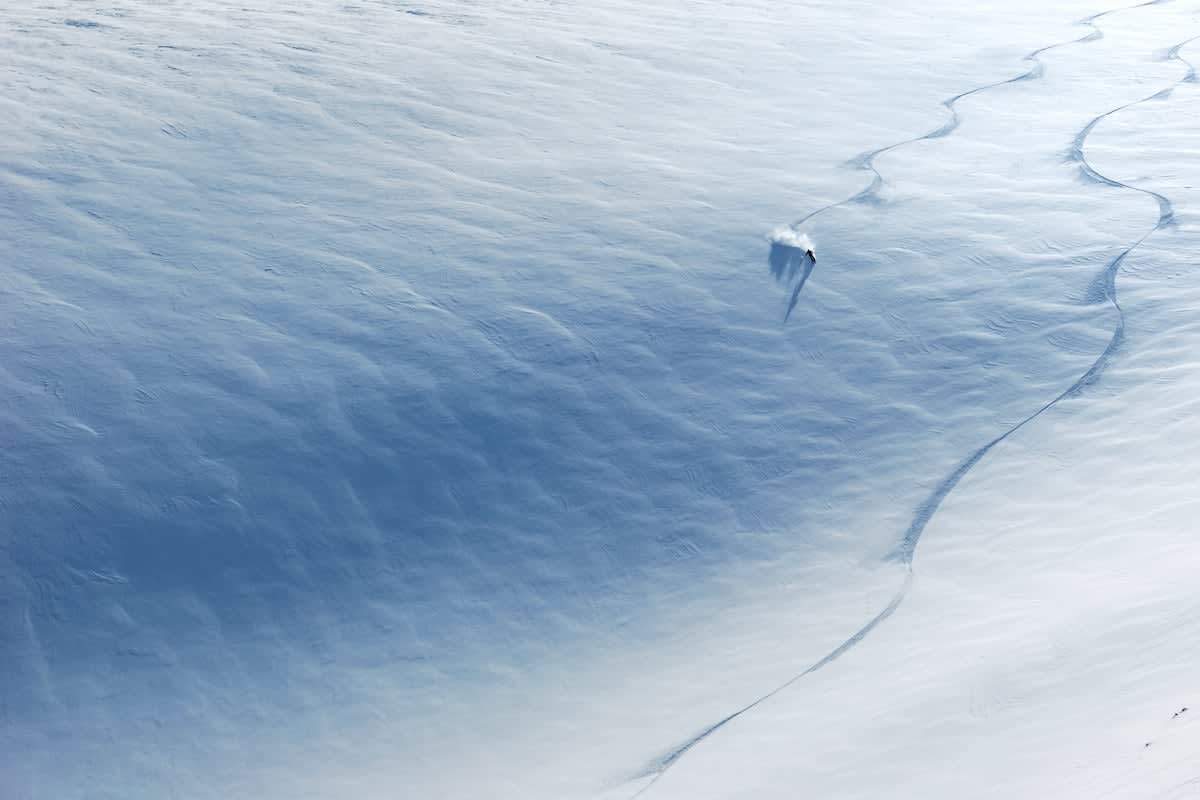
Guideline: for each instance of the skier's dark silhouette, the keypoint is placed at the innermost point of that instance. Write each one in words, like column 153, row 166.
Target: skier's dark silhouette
column 786, row 263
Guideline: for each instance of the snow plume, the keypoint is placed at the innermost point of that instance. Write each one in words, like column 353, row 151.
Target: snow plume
column 789, row 237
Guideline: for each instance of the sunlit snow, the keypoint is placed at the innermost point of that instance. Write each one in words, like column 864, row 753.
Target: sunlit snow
column 435, row 400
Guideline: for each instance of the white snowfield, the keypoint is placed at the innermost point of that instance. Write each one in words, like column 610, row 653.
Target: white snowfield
column 428, row 400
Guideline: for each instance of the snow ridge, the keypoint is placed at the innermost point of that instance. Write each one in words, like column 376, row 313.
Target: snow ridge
column 1104, row 290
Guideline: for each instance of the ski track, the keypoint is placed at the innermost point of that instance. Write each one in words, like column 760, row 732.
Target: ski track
column 866, row 161
column 1104, row 289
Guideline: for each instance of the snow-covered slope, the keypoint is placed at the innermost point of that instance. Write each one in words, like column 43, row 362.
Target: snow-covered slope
column 406, row 400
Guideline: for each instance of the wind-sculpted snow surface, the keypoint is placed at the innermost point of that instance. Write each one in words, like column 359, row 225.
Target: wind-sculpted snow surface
column 395, row 402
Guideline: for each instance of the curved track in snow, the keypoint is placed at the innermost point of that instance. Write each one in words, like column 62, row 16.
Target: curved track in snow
column 866, row 161
column 1103, row 290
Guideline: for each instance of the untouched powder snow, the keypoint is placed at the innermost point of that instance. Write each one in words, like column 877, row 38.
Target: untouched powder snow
column 403, row 400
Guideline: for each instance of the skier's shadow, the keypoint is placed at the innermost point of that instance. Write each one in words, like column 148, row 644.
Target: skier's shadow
column 786, row 263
